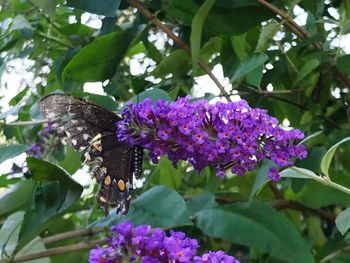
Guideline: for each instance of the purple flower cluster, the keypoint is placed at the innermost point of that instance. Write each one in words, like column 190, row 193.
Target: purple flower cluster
column 225, row 135
column 146, row 245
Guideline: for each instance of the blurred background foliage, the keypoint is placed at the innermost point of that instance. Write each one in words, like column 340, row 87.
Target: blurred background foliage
column 289, row 57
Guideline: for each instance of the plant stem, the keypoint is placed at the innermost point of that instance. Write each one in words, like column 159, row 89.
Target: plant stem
column 23, row 123
column 323, row 180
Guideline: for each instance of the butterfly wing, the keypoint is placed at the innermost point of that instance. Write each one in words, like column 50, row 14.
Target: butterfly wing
column 91, row 129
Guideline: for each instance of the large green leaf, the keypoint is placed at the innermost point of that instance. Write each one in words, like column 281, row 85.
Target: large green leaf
column 10, row 151
column 54, row 193
column 200, row 202
column 99, row 60
column 106, row 7
column 327, row 158
column 16, row 197
column 255, row 225
column 159, row 207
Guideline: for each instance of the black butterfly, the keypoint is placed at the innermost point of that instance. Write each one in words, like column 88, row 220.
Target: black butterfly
column 92, row 129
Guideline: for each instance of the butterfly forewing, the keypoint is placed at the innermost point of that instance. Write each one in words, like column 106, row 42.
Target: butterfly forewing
column 91, row 129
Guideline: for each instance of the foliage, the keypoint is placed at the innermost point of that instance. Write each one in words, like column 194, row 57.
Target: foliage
column 298, row 72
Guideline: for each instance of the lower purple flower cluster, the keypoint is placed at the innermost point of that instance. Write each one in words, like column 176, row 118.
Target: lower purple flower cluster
column 146, row 245
column 225, row 135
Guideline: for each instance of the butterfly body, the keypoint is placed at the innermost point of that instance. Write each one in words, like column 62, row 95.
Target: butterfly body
column 91, row 129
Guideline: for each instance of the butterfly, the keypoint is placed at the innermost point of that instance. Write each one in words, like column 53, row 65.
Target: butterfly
column 91, row 129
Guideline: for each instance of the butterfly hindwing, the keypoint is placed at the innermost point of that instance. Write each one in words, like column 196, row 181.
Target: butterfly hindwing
column 91, row 129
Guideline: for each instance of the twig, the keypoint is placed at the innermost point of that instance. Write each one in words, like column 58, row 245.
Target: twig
column 72, row 234
column 294, row 205
column 178, row 42
column 58, row 251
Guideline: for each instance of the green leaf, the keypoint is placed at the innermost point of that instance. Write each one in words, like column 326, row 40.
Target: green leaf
column 200, row 202
column 306, row 118
column 169, row 176
column 9, row 238
column 343, row 221
column 10, row 151
column 196, row 30
column 9, row 234
column 261, row 178
column 290, row 173
column 316, row 195
column 107, row 8
column 159, row 207
column 48, row 6
column 105, row 101
column 99, row 60
column 54, row 195
column 258, row 226
column 343, row 63
column 249, row 65
column 16, row 197
column 268, row 31
column 327, row 158
column 315, row 134
column 153, row 94
column 176, row 63
column 226, row 17
column 72, row 160
column 35, row 113
column 18, row 98
column 306, row 69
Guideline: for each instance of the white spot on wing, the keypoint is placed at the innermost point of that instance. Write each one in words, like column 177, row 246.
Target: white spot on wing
column 74, row 142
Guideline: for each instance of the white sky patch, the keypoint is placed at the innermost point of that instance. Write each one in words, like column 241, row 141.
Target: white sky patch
column 91, row 20
column 94, row 87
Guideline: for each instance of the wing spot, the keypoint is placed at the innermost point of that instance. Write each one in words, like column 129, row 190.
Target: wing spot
column 86, row 136
column 74, row 142
column 121, row 185
column 107, row 180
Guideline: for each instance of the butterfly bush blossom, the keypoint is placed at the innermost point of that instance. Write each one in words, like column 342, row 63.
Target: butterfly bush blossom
column 225, row 135
column 146, row 245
